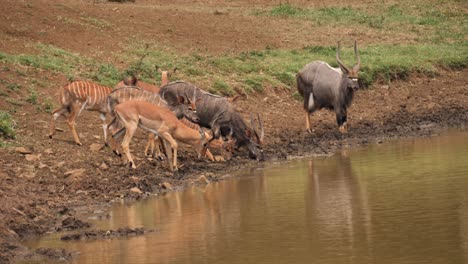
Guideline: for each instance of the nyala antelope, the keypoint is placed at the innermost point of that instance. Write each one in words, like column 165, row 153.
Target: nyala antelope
column 77, row 96
column 323, row 86
column 157, row 120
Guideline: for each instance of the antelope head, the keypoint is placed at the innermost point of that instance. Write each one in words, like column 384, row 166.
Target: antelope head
column 133, row 81
column 186, row 108
column 351, row 74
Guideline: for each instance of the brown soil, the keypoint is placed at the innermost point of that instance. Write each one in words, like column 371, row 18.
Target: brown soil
column 58, row 182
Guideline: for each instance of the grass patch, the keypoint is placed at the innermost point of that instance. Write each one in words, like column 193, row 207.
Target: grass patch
column 48, row 105
column 97, row 22
column 33, row 97
column 426, row 17
column 7, row 126
column 14, row 86
column 222, row 88
column 14, row 102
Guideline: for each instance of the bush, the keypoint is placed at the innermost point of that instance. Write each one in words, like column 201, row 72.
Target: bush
column 7, row 125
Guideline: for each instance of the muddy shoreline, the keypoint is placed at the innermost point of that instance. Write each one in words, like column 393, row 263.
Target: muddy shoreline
column 59, row 183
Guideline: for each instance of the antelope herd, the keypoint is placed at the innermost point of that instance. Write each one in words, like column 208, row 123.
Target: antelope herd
column 179, row 112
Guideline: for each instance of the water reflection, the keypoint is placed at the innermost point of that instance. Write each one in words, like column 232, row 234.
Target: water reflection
column 403, row 202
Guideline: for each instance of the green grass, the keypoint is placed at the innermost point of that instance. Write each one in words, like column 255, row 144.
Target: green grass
column 48, row 105
column 33, row 97
column 433, row 21
column 7, row 126
column 436, row 32
column 255, row 70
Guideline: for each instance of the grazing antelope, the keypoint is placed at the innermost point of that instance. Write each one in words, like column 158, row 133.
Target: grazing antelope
column 180, row 106
column 323, row 86
column 226, row 148
column 158, row 120
column 165, row 75
column 219, row 115
column 79, row 95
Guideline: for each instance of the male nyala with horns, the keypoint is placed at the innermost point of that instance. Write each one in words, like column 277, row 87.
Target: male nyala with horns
column 323, row 86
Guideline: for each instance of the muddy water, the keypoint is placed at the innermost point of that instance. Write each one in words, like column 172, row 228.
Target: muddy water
column 399, row 202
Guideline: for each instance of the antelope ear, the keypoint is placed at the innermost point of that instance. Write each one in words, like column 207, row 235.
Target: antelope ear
column 180, row 99
column 134, row 81
column 158, row 69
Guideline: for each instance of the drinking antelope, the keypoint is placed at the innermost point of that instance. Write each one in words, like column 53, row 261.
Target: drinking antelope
column 79, row 95
column 180, row 106
column 158, row 120
column 323, row 86
column 220, row 116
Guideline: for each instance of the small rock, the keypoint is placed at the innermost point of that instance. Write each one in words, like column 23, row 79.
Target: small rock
column 103, row 166
column 31, row 157
column 202, row 179
column 166, row 185
column 23, row 151
column 96, row 137
column 96, row 147
column 42, row 165
column 71, row 176
column 48, row 151
column 210, row 175
column 219, row 158
column 29, row 175
column 136, row 190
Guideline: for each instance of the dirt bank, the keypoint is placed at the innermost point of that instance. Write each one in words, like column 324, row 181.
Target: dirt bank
column 40, row 191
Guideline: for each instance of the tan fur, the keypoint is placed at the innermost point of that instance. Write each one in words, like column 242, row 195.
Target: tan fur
column 159, row 120
column 77, row 96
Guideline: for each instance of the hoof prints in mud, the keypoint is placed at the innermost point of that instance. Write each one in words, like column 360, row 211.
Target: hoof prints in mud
column 106, row 234
column 71, row 223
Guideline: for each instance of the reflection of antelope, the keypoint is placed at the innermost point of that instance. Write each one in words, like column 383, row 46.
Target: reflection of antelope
column 79, row 95
column 322, row 86
column 158, row 120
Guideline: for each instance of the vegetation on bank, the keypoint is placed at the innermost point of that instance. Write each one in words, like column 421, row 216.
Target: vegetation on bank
column 249, row 71
column 436, row 33
column 7, row 127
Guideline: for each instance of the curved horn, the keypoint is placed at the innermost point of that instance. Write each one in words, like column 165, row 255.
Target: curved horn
column 262, row 132
column 358, row 58
column 342, row 65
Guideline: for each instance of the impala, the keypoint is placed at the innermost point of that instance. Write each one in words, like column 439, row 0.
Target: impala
column 159, row 121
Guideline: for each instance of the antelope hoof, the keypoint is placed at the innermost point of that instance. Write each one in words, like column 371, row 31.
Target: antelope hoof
column 132, row 164
column 343, row 129
column 50, row 136
column 308, row 130
column 79, row 143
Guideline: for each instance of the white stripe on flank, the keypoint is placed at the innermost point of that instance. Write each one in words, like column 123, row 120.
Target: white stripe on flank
column 94, row 97
column 80, row 90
